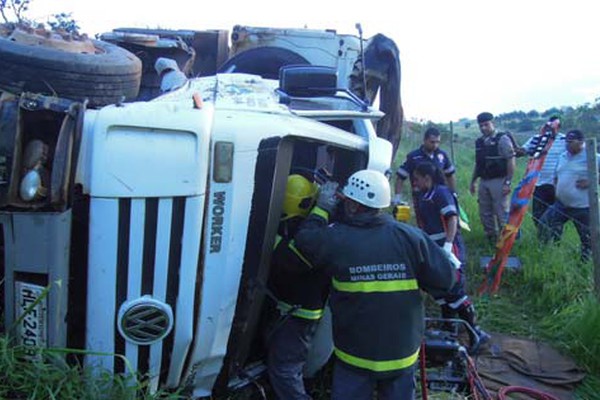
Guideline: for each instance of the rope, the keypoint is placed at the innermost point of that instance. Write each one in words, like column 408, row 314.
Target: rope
column 477, row 387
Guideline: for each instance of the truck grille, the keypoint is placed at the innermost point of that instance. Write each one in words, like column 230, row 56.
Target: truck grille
column 143, row 248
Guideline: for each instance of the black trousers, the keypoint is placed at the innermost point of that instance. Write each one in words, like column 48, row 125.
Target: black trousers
column 543, row 197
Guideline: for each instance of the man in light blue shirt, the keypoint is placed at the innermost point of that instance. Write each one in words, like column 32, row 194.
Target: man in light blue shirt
column 572, row 201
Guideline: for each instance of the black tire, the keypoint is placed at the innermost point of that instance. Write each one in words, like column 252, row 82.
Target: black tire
column 101, row 78
column 263, row 61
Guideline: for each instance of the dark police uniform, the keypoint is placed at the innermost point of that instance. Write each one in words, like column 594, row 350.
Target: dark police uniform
column 439, row 158
column 435, row 207
column 491, row 165
column 489, row 162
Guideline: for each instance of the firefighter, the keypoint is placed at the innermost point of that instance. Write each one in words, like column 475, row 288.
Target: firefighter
column 377, row 268
column 438, row 217
column 300, row 294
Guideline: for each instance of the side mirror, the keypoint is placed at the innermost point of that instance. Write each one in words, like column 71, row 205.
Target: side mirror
column 380, row 154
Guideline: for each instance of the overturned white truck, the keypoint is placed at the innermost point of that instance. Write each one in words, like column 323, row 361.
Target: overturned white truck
column 145, row 229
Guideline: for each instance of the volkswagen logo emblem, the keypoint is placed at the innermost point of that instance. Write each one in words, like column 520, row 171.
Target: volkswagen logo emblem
column 145, row 320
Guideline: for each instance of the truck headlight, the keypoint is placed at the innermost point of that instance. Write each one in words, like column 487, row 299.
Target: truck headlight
column 31, row 187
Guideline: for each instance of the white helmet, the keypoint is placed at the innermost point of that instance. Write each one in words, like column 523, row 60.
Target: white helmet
column 368, row 187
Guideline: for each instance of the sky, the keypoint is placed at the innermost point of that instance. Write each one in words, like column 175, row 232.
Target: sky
column 458, row 57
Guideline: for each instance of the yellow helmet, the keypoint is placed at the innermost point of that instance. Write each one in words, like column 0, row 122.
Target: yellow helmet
column 299, row 198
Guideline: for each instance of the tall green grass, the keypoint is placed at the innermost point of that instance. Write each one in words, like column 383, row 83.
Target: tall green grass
column 50, row 377
column 33, row 374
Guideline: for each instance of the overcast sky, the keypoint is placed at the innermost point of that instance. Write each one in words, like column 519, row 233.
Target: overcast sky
column 459, row 57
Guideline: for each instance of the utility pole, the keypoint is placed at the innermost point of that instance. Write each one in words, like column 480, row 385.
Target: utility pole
column 592, row 165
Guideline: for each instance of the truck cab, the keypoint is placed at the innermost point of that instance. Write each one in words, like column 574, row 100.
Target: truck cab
column 142, row 232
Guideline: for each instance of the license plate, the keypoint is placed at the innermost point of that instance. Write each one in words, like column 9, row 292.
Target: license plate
column 32, row 327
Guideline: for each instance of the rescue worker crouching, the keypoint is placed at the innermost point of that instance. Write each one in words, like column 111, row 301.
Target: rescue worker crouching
column 377, row 267
column 300, row 294
column 438, row 209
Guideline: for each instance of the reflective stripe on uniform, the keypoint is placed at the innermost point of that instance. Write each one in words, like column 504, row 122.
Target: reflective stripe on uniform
column 300, row 312
column 377, row 366
column 320, row 212
column 455, row 305
column 450, row 208
column 397, row 285
column 437, row 236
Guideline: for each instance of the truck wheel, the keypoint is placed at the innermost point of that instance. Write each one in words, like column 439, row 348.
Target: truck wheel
column 55, row 64
column 263, row 61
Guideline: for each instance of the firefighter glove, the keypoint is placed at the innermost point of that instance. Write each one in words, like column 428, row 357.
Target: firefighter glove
column 328, row 199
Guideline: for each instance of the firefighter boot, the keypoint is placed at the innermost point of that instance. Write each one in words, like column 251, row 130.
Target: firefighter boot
column 477, row 336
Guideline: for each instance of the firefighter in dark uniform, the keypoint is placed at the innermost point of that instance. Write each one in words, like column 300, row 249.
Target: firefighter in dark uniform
column 300, row 293
column 429, row 151
column 377, row 267
column 438, row 210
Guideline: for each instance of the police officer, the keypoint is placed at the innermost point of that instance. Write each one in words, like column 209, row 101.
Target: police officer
column 494, row 166
column 438, row 210
column 378, row 267
column 300, row 293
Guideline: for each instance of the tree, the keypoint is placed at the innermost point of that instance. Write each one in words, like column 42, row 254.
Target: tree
column 65, row 22
column 14, row 10
column 550, row 112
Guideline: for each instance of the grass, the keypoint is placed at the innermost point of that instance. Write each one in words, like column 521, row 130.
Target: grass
column 52, row 378
column 45, row 374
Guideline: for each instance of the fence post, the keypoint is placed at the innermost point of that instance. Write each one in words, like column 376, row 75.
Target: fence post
column 452, row 142
column 590, row 148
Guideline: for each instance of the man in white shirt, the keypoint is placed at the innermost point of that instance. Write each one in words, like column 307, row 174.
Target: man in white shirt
column 544, row 193
column 572, row 202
